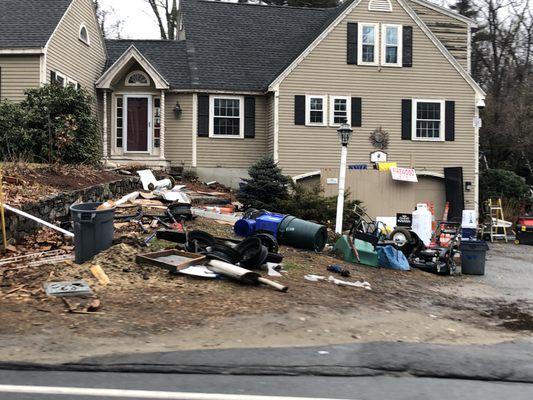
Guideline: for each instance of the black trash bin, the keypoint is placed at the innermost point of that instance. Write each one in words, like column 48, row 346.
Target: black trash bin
column 93, row 230
column 473, row 254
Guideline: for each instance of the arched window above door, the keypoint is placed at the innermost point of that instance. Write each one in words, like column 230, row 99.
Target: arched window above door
column 137, row 78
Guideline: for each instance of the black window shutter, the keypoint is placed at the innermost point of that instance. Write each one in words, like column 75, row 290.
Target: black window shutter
column 407, row 115
column 203, row 115
column 52, row 77
column 351, row 43
column 449, row 126
column 357, row 114
column 249, row 117
column 299, row 110
column 407, row 52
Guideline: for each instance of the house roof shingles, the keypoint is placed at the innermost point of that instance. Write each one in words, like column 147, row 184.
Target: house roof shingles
column 29, row 23
column 244, row 47
column 168, row 57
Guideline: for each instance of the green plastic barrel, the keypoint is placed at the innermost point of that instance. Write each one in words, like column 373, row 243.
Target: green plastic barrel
column 302, row 234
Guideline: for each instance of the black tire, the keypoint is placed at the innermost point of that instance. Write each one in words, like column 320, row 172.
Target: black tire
column 269, row 241
column 203, row 241
column 257, row 260
column 224, row 253
column 275, row 258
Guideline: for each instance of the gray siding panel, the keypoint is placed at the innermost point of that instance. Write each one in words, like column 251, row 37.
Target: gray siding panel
column 324, row 71
column 18, row 73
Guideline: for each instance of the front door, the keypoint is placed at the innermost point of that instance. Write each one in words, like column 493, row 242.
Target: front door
column 138, row 120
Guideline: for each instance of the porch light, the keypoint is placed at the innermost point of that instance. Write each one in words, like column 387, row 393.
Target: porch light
column 177, row 110
column 345, row 133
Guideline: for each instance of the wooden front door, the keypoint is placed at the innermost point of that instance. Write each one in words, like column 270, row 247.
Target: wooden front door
column 138, row 124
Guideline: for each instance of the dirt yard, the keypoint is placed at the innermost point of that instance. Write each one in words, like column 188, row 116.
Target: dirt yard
column 145, row 309
column 26, row 183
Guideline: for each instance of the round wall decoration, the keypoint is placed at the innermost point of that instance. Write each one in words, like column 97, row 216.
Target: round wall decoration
column 379, row 138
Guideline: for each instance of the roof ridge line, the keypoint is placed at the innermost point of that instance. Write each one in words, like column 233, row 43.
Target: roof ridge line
column 269, row 5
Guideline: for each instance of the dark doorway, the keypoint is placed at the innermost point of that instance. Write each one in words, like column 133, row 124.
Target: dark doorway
column 453, row 180
column 137, row 124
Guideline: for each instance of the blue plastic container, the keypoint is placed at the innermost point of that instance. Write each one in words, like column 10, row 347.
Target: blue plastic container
column 269, row 223
column 245, row 227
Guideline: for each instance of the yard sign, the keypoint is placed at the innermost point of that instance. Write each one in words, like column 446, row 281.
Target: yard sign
column 403, row 174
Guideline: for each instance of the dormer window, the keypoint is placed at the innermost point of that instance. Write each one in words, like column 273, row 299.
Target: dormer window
column 137, row 78
column 84, row 35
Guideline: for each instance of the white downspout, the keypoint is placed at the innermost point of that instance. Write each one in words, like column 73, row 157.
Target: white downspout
column 194, row 129
column 477, row 125
column 104, row 126
column 276, row 126
column 162, row 128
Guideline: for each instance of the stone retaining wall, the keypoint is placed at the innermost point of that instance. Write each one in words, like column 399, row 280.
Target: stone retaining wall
column 56, row 207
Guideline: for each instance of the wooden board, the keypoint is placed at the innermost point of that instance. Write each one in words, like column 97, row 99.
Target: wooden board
column 172, row 260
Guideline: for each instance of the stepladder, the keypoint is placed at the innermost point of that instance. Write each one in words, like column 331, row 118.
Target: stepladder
column 498, row 224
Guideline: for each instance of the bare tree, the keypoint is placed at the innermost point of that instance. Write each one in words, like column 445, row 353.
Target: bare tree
column 110, row 30
column 167, row 16
column 502, row 65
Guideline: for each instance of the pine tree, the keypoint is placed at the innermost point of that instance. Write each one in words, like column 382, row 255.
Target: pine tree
column 266, row 187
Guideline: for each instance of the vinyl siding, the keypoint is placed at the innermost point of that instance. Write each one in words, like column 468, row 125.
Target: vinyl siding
column 325, row 71
column 68, row 55
column 450, row 31
column 17, row 74
column 236, row 153
column 178, row 132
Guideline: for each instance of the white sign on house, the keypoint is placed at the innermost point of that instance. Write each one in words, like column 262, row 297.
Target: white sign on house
column 378, row 156
column 403, row 174
column 332, row 181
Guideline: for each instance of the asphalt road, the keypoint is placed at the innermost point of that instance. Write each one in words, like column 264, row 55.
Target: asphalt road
column 367, row 388
column 359, row 371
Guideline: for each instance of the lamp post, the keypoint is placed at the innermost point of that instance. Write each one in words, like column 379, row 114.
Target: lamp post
column 345, row 132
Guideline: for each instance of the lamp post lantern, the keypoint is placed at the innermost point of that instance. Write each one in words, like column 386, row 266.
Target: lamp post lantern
column 345, row 133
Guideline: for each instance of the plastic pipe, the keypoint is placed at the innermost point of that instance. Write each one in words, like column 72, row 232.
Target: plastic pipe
column 38, row 220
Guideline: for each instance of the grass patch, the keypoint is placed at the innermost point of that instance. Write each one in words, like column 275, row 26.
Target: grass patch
column 291, row 266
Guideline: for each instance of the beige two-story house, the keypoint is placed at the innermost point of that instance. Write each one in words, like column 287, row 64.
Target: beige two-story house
column 245, row 80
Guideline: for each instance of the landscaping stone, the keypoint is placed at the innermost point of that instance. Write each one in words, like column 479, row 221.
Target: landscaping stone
column 56, row 208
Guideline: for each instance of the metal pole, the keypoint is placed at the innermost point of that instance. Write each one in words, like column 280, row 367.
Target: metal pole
column 342, row 183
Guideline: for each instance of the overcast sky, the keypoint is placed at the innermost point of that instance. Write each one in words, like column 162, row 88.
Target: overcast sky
column 139, row 22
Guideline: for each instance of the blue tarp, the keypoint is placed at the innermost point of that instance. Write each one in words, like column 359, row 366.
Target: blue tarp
column 389, row 257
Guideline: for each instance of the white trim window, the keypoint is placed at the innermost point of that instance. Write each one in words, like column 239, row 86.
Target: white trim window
column 72, row 83
column 137, row 78
column 84, row 35
column 60, row 79
column 391, row 46
column 340, row 110
column 367, row 43
column 428, row 120
column 315, row 110
column 226, row 117
column 119, row 122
